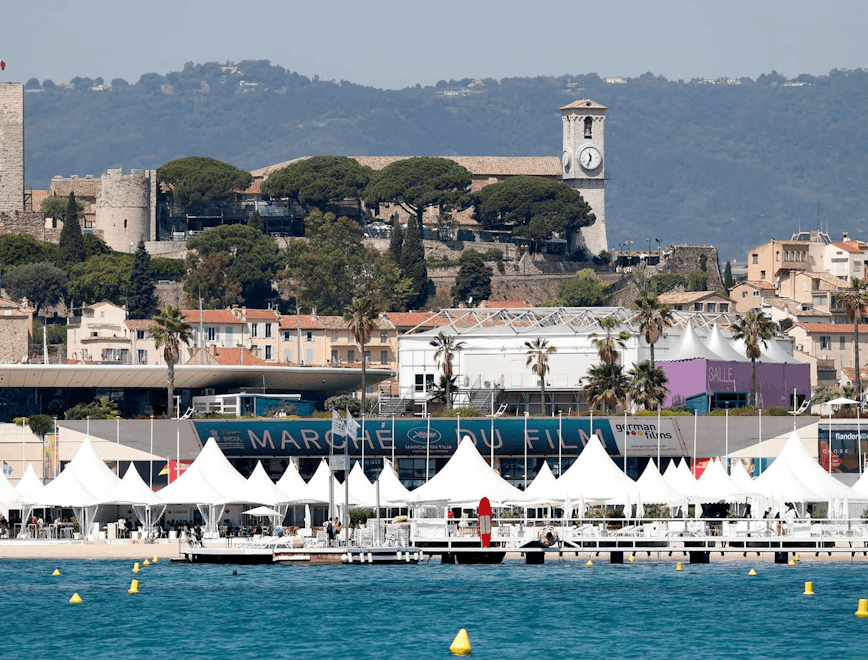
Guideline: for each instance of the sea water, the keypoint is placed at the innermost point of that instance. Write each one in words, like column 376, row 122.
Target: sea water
column 561, row 610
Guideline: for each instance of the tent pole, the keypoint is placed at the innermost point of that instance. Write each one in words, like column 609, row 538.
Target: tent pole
column 491, row 441
column 726, row 450
column 525, row 449
column 560, row 438
column 427, row 447
column 760, row 440
column 625, row 443
column 393, row 441
column 859, row 437
column 694, row 443
column 151, row 459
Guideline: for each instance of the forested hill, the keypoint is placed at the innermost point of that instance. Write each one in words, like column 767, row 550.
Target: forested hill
column 691, row 162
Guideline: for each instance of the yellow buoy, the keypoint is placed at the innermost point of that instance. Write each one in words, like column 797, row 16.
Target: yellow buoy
column 461, row 644
column 809, row 589
column 146, row 563
column 796, row 557
column 56, row 572
column 76, row 600
column 134, row 587
column 679, row 567
column 791, row 563
column 155, row 560
column 751, row 572
column 862, row 612
column 589, row 563
column 136, row 568
column 632, row 558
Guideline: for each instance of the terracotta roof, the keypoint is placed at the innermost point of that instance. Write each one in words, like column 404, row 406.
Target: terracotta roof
column 407, row 320
column 505, row 304
column 682, row 297
column 830, row 328
column 477, row 165
column 338, row 323
column 847, row 247
column 138, row 324
column 270, row 314
column 838, row 282
column 307, row 322
column 759, row 284
column 210, row 316
column 850, row 372
column 794, row 307
column 228, row 356
column 584, row 103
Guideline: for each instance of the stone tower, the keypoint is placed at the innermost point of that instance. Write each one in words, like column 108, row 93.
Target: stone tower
column 11, row 147
column 584, row 164
column 126, row 208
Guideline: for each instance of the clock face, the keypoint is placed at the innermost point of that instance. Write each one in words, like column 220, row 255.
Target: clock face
column 567, row 160
column 590, row 158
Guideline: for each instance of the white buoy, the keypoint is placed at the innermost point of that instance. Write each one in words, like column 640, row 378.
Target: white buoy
column 344, row 558
column 398, row 555
column 370, row 558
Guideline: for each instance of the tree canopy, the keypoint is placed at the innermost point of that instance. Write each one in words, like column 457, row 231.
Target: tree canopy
column 532, row 207
column 58, row 208
column 43, row 284
column 473, row 280
column 584, row 290
column 417, row 183
column 253, row 258
column 314, row 183
column 206, row 278
column 201, row 181
column 17, row 249
column 141, row 301
column 71, row 248
column 101, row 278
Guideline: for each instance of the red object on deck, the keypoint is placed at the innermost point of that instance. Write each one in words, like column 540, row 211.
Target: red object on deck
column 2, row 65
column 484, row 523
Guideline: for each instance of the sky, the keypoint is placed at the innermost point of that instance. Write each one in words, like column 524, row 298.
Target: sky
column 395, row 44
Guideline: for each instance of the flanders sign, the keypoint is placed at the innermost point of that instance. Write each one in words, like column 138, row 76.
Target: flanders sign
column 545, row 436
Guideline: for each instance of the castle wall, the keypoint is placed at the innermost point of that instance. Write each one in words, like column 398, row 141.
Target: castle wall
column 125, row 207
column 11, row 147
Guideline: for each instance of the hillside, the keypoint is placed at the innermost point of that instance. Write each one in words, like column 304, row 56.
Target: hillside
column 691, row 162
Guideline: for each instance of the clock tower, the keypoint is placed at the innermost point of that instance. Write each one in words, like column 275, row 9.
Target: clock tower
column 583, row 164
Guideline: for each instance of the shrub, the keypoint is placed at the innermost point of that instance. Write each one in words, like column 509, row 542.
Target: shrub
column 464, row 412
column 342, row 404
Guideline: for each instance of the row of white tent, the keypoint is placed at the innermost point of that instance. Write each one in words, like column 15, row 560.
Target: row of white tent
column 211, row 482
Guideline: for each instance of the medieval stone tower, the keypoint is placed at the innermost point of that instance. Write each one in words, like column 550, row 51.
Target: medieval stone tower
column 584, row 163
column 126, row 208
column 11, row 147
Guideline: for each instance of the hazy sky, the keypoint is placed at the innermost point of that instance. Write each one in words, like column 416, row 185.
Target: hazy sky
column 395, row 44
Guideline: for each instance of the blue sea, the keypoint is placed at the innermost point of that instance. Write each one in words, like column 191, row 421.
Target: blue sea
column 642, row 610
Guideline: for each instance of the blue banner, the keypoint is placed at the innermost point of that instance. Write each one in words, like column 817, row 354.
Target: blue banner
column 313, row 437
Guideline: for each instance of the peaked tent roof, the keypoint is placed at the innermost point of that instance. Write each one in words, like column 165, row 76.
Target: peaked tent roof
column 8, row 494
column 66, row 490
column 317, row 489
column 861, row 486
column 361, row 488
column 133, row 490
column 260, row 489
column 466, row 479
column 679, row 476
column 715, row 485
column 92, row 470
column 291, row 483
column 593, row 476
column 723, row 346
column 690, row 347
column 652, row 488
column 192, row 488
column 541, row 481
column 784, row 484
column 771, row 353
column 739, row 475
column 808, row 471
column 392, row 491
column 29, row 485
column 220, row 473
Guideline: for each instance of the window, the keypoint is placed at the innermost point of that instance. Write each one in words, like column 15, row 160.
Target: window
column 254, row 329
column 778, row 255
column 806, row 286
column 334, row 356
column 350, row 337
column 140, row 334
column 367, row 357
column 351, row 356
column 384, row 336
column 334, row 336
column 756, row 293
column 724, row 307
column 229, row 331
column 210, row 333
column 711, row 307
column 762, row 274
column 697, row 307
column 384, row 357
column 125, row 223
column 309, row 336
column 842, row 341
column 589, row 123
column 287, row 335
column 825, row 342
column 268, row 354
column 423, row 381
column 287, row 355
column 819, row 301
column 744, row 294
column 754, row 258
column 142, row 356
column 268, row 334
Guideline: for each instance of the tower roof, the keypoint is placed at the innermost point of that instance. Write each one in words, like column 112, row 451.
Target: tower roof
column 584, row 104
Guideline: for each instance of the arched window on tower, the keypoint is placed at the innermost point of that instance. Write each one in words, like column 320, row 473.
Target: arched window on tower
column 125, row 223
column 588, row 123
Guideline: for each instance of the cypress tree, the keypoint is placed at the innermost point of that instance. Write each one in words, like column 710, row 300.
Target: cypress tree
column 413, row 263
column 255, row 221
column 71, row 249
column 727, row 277
column 397, row 242
column 141, row 301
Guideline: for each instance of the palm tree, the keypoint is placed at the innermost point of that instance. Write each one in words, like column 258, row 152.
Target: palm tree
column 361, row 318
column 170, row 332
column 647, row 385
column 606, row 386
column 754, row 327
column 653, row 319
column 853, row 302
column 437, row 391
column 538, row 352
column 447, row 346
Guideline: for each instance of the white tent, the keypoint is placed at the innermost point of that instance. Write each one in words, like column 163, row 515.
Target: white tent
column 739, row 475
column 680, row 477
column 291, row 483
column 8, row 494
column 29, row 485
column 593, row 477
column 260, row 489
column 193, row 488
column 861, row 486
column 361, row 488
column 690, row 346
column 783, row 485
column 652, row 488
column 92, row 470
column 466, row 479
column 723, row 346
column 808, row 471
column 715, row 485
column 68, row 491
column 317, row 489
column 392, row 491
column 543, row 479
column 220, row 473
column 147, row 505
